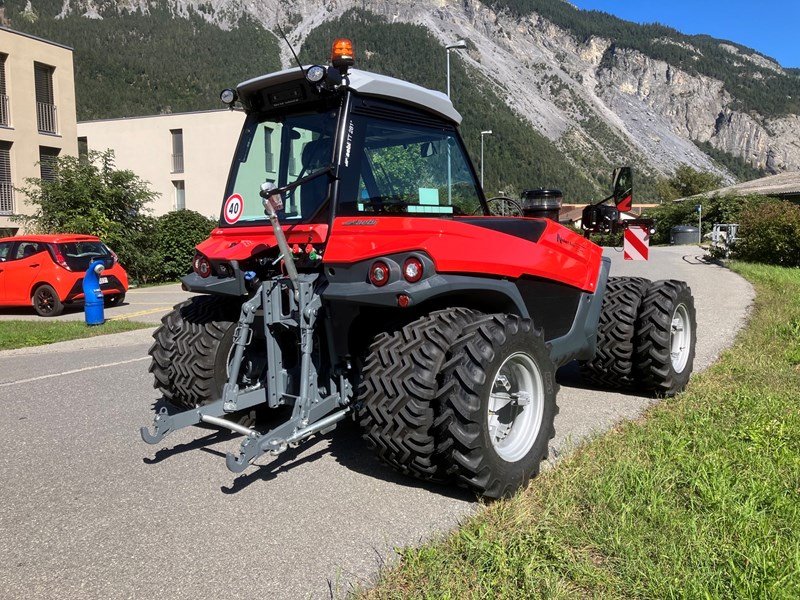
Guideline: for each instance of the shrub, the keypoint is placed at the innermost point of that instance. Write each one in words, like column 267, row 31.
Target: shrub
column 770, row 233
column 176, row 235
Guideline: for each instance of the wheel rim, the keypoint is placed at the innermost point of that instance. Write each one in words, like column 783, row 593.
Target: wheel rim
column 680, row 338
column 516, row 407
column 45, row 302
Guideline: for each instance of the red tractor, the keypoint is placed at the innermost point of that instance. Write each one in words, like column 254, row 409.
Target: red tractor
column 358, row 270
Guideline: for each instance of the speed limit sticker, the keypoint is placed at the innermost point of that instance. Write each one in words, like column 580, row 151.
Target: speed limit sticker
column 233, row 208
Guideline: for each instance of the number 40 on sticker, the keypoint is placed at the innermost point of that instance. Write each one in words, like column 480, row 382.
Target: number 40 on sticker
column 233, row 208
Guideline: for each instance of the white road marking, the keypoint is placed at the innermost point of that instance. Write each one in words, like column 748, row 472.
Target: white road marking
column 73, row 371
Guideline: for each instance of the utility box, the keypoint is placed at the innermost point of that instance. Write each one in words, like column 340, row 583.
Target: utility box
column 681, row 235
column 542, row 203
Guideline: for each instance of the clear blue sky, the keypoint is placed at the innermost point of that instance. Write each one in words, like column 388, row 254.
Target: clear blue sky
column 772, row 28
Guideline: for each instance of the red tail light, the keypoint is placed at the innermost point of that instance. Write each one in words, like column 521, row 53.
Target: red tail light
column 201, row 265
column 60, row 260
column 412, row 270
column 379, row 273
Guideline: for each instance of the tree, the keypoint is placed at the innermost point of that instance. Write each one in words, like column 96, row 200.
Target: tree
column 93, row 197
column 686, row 182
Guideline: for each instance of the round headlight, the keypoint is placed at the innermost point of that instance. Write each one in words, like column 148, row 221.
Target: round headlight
column 228, row 96
column 315, row 74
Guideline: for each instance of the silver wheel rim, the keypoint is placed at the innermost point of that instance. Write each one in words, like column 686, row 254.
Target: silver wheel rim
column 680, row 338
column 516, row 407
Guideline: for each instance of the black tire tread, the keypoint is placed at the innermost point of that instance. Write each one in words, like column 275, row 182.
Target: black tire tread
column 398, row 388
column 611, row 367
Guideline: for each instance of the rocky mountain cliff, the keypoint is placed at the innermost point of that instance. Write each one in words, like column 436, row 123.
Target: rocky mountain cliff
column 583, row 92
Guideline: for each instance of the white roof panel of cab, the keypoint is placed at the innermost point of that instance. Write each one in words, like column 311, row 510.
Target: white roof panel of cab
column 369, row 84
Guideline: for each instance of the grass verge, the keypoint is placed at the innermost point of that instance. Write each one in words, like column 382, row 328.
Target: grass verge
column 701, row 499
column 21, row 334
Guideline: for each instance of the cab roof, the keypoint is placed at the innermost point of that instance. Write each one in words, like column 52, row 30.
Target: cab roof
column 368, row 84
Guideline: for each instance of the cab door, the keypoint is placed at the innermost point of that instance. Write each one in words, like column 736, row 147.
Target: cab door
column 22, row 270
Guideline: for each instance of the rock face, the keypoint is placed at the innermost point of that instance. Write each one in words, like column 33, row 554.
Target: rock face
column 591, row 99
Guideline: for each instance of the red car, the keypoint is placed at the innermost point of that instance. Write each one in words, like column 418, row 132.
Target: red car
column 46, row 271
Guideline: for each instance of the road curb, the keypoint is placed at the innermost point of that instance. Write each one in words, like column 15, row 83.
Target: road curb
column 110, row 340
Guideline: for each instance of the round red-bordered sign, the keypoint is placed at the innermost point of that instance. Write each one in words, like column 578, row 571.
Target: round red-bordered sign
column 233, row 208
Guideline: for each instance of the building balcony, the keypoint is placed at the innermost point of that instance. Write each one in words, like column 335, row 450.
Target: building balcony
column 177, row 163
column 46, row 117
column 6, row 198
column 5, row 115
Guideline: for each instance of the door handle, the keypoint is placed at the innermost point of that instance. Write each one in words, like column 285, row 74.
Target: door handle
column 34, row 266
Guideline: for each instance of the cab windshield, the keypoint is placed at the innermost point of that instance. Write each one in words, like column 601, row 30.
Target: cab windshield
column 281, row 150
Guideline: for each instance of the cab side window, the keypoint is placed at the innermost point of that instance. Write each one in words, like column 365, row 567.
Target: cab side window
column 5, row 249
column 26, row 249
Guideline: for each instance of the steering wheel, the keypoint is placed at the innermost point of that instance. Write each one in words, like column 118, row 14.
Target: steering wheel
column 502, row 206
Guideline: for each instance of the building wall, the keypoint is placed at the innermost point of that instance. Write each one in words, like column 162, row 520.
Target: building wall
column 22, row 130
column 144, row 145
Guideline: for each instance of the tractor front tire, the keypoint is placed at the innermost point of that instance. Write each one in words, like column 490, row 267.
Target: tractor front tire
column 666, row 334
column 191, row 350
column 497, row 403
column 398, row 388
column 612, row 364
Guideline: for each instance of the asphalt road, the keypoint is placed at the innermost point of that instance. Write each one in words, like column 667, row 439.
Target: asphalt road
column 89, row 511
column 146, row 304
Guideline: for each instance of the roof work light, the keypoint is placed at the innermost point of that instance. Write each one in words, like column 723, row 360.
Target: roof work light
column 342, row 54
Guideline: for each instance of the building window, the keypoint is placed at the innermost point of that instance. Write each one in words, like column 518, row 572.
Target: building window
column 46, row 117
column 83, row 148
column 6, row 186
column 269, row 155
column 180, row 195
column 5, row 116
column 177, row 150
column 47, row 162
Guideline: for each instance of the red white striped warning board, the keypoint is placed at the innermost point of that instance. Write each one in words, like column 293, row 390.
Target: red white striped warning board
column 637, row 243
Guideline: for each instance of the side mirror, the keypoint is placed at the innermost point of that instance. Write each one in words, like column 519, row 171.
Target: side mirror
column 623, row 188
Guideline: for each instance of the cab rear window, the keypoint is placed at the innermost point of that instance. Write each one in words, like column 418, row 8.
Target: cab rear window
column 79, row 255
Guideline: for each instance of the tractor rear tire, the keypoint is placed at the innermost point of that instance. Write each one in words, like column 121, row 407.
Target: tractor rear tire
column 666, row 334
column 191, row 350
column 494, row 449
column 398, row 388
column 612, row 364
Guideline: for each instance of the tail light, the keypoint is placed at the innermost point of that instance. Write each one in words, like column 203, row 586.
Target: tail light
column 412, row 270
column 60, row 260
column 379, row 273
column 201, row 265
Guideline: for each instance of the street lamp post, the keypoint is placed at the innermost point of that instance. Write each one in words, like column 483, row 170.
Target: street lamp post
column 483, row 133
column 459, row 45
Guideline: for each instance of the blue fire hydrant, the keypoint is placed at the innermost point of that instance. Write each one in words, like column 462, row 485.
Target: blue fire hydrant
column 93, row 296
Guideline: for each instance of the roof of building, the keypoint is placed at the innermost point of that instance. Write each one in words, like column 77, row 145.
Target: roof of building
column 370, row 84
column 782, row 184
column 33, row 37
column 164, row 115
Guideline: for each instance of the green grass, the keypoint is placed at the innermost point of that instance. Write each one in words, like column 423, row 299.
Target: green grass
column 21, row 334
column 699, row 499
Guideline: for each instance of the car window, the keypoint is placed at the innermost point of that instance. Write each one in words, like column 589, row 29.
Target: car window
column 5, row 248
column 26, row 249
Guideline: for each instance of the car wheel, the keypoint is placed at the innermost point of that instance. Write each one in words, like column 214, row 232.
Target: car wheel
column 114, row 300
column 46, row 302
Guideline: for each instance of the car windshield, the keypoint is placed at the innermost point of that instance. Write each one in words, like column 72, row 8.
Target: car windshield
column 281, row 150
column 79, row 255
column 410, row 170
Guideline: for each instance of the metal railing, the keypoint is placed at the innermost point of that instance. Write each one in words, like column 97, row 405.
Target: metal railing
column 177, row 163
column 46, row 117
column 5, row 115
column 6, row 198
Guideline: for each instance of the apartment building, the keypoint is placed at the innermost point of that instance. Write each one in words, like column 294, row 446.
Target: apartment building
column 184, row 157
column 37, row 115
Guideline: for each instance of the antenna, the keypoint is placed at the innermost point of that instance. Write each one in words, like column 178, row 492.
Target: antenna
column 283, row 35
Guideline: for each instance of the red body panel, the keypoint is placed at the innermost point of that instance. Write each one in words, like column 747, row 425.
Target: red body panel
column 240, row 243
column 455, row 247
column 19, row 277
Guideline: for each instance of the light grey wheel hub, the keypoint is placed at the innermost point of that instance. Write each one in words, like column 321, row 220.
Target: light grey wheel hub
column 680, row 338
column 516, row 407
